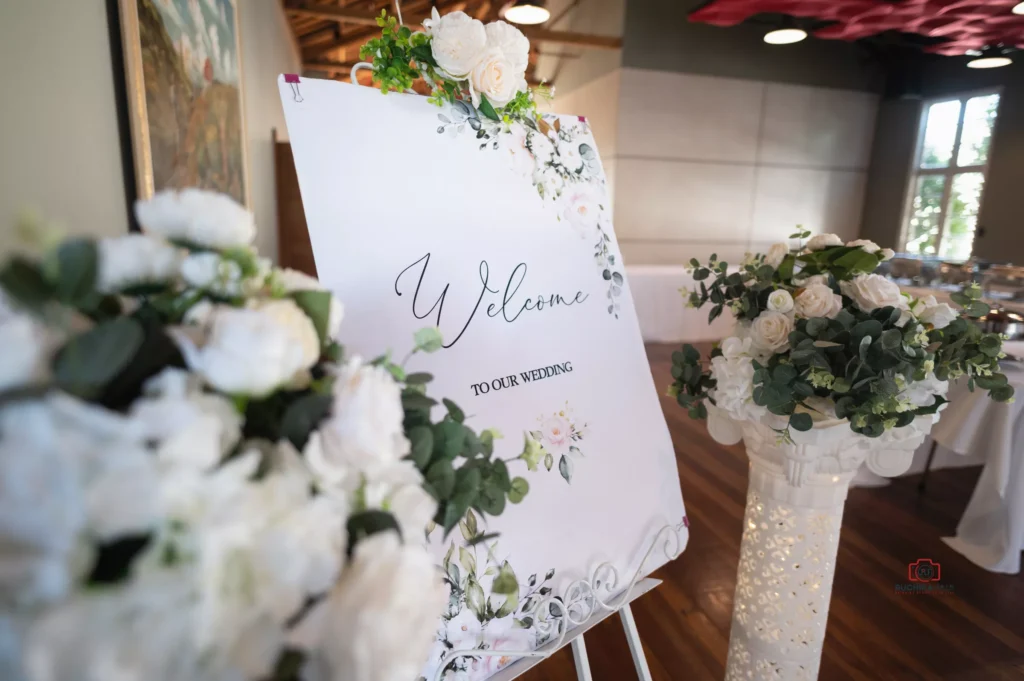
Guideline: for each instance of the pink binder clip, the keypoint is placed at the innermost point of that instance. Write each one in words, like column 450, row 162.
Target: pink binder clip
column 293, row 82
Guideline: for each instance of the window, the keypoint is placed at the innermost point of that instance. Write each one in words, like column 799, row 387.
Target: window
column 949, row 175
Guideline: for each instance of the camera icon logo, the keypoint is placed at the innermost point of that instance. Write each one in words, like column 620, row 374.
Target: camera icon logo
column 924, row 570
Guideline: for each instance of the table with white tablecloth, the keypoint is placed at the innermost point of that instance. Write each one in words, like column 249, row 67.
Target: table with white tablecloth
column 991, row 530
column 661, row 308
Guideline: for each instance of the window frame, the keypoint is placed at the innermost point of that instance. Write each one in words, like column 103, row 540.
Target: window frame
column 950, row 171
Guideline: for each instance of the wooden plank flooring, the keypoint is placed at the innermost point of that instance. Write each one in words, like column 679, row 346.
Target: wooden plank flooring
column 873, row 632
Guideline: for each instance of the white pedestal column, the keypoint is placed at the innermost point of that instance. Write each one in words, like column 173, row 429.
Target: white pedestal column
column 790, row 540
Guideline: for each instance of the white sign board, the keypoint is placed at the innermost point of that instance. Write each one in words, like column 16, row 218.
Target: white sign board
column 422, row 216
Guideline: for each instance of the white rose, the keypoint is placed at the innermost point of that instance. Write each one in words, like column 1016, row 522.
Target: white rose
column 135, row 259
column 929, row 311
column 887, row 253
column 379, row 621
column 197, row 216
column 457, row 42
column 254, row 351
column 780, row 301
column 822, row 241
column 818, row 300
column 776, row 254
column 26, row 347
column 511, row 42
column 293, row 280
column 770, row 331
column 865, row 244
column 582, row 212
column 872, row 291
column 364, row 433
column 495, row 77
column 398, row 488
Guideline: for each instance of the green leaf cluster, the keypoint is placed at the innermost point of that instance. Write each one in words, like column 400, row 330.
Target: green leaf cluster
column 691, row 383
column 458, row 464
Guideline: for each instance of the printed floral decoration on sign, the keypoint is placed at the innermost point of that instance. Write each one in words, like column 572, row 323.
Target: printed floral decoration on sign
column 186, row 452
column 820, row 336
column 558, row 435
column 488, row 608
column 477, row 74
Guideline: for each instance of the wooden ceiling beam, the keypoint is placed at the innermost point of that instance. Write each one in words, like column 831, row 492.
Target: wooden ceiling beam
column 319, row 35
column 345, row 15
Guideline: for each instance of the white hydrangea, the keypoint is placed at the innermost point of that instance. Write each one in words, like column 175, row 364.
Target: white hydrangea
column 733, row 371
column 196, row 216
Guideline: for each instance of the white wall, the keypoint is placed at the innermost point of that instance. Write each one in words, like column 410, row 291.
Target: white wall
column 706, row 164
column 268, row 50
column 59, row 147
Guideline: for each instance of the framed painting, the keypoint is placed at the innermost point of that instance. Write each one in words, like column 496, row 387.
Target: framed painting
column 185, row 99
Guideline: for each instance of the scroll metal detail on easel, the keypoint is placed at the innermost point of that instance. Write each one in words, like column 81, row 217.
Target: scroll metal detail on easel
column 579, row 601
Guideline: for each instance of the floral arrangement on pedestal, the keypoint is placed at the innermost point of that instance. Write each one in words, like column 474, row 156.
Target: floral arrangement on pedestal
column 820, row 336
column 197, row 484
column 477, row 74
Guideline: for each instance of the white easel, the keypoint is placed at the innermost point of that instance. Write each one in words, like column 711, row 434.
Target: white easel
column 581, row 606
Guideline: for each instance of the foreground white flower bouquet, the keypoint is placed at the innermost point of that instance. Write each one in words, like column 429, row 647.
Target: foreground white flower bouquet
column 195, row 485
column 465, row 63
column 820, row 336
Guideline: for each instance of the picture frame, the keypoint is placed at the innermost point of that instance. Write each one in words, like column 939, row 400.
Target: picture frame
column 186, row 98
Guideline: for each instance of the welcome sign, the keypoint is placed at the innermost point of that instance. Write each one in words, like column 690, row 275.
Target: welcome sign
column 425, row 216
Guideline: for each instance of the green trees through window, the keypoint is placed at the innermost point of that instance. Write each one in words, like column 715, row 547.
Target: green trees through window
column 949, row 176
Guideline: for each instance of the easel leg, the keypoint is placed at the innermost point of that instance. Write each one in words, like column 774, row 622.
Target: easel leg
column 579, row 653
column 635, row 646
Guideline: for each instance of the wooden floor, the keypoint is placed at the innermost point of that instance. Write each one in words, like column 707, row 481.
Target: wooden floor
column 873, row 633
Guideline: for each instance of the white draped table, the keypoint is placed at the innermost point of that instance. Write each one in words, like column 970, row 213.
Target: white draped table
column 661, row 308
column 991, row 530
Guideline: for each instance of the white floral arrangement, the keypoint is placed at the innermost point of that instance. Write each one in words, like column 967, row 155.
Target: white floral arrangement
column 820, row 336
column 460, row 59
column 195, row 484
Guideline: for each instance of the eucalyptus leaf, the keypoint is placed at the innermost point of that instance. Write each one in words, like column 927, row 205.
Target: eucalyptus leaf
column 89, row 361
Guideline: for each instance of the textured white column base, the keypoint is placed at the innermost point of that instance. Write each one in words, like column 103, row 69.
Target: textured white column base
column 790, row 540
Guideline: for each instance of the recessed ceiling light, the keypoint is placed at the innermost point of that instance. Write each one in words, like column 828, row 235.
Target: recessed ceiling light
column 785, row 36
column 527, row 12
column 1018, row 8
column 989, row 62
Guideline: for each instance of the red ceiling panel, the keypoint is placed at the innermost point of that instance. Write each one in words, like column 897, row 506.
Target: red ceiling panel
column 964, row 24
